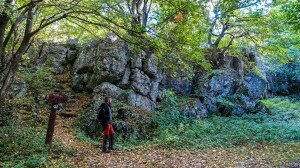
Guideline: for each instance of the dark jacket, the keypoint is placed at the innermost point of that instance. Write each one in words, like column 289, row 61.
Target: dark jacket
column 106, row 117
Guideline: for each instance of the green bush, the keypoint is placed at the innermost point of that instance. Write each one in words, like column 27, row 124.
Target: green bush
column 40, row 79
column 169, row 113
column 282, row 125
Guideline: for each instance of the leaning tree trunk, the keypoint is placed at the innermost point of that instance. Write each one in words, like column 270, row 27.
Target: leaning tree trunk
column 17, row 56
column 8, row 80
column 4, row 18
column 13, row 68
column 3, row 24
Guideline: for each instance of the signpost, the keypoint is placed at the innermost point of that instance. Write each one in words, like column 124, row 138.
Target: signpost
column 55, row 99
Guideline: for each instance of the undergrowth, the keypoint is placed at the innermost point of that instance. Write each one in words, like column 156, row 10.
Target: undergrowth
column 23, row 145
column 22, row 135
column 175, row 130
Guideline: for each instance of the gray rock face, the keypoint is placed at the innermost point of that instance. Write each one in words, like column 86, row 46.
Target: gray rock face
column 111, row 38
column 154, row 90
column 111, row 64
column 93, row 127
column 136, row 61
column 278, row 83
column 85, row 60
column 108, row 89
column 236, row 63
column 179, row 86
column 125, row 82
column 216, row 85
column 255, row 86
column 238, row 111
column 198, row 110
column 115, row 62
column 140, row 82
column 246, row 101
column 140, row 101
column 150, row 65
column 58, row 54
column 221, row 84
column 285, row 80
column 248, row 104
column 80, row 81
column 103, row 63
column 211, row 104
column 72, row 55
column 73, row 42
column 226, row 92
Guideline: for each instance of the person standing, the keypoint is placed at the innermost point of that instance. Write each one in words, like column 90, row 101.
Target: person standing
column 105, row 118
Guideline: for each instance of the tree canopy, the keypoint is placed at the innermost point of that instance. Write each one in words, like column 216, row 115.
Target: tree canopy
column 181, row 33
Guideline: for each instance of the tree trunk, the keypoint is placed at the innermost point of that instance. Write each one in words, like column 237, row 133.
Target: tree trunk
column 4, row 18
column 3, row 25
column 9, row 79
column 17, row 56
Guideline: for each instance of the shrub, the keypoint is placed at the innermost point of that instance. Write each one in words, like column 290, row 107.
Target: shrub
column 40, row 79
column 282, row 125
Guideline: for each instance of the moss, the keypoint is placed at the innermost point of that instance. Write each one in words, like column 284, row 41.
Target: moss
column 258, row 72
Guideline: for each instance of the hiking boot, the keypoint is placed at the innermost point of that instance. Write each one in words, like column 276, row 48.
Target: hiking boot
column 104, row 146
column 112, row 142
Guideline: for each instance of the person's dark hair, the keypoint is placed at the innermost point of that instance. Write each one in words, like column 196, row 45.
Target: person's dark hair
column 106, row 99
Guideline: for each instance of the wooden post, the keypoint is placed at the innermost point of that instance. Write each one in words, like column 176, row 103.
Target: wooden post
column 53, row 98
column 51, row 124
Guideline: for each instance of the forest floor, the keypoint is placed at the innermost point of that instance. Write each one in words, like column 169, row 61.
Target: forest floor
column 252, row 155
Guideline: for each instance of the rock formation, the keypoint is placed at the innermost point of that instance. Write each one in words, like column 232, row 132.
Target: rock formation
column 114, row 61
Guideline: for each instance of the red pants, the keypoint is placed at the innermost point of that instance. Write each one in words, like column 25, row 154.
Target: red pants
column 108, row 131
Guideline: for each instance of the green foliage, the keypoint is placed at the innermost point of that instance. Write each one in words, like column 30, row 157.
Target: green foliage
column 284, row 107
column 181, row 45
column 252, row 67
column 282, row 125
column 291, row 11
column 40, row 79
column 170, row 115
column 23, row 145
